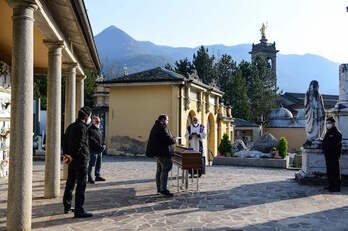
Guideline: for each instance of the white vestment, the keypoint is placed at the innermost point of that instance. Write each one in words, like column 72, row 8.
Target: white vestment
column 196, row 143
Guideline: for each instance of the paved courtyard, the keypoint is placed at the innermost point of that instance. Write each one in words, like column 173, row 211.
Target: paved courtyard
column 230, row 198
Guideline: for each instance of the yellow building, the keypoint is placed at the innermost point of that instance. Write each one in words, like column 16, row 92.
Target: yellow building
column 136, row 100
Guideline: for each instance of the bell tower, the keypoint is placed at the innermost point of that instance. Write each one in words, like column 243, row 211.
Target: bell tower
column 266, row 50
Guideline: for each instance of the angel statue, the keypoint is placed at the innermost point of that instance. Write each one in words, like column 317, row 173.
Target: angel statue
column 314, row 113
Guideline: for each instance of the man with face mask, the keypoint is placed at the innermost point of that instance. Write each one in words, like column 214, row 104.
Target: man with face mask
column 332, row 146
column 76, row 154
column 96, row 148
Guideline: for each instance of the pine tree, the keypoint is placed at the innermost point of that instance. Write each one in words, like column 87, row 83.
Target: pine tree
column 238, row 97
column 169, row 67
column 224, row 69
column 183, row 67
column 203, row 63
column 262, row 90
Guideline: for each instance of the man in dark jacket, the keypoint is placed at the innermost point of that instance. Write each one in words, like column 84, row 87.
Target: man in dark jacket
column 160, row 145
column 332, row 146
column 76, row 154
column 96, row 148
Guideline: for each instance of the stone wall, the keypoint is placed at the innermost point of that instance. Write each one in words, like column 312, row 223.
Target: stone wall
column 296, row 137
column 250, row 162
column 124, row 145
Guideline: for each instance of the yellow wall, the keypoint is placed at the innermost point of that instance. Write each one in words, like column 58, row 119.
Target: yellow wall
column 296, row 137
column 134, row 109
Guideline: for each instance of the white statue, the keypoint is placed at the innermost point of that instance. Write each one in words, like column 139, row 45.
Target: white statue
column 314, row 113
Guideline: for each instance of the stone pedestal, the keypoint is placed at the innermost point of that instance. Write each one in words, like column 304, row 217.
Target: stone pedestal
column 313, row 165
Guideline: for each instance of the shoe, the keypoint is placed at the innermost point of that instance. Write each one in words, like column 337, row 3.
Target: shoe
column 99, row 178
column 83, row 215
column 67, row 210
column 335, row 190
column 167, row 193
column 91, row 181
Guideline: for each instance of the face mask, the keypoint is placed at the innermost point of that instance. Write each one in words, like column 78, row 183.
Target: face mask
column 89, row 120
column 329, row 126
column 97, row 125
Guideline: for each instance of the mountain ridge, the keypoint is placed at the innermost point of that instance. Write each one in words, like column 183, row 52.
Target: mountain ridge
column 294, row 71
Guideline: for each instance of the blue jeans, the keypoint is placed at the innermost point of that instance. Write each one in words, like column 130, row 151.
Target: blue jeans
column 95, row 160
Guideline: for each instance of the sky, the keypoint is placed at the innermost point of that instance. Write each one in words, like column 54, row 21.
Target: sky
column 297, row 26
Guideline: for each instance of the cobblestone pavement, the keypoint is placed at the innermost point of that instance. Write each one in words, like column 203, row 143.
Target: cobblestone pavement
column 230, row 198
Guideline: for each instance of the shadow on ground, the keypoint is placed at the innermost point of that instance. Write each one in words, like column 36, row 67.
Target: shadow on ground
column 118, row 200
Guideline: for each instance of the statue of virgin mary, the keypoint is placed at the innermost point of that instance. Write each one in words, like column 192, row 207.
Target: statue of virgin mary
column 314, row 113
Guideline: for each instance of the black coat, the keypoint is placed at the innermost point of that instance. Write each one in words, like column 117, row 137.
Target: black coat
column 332, row 143
column 75, row 141
column 95, row 140
column 160, row 141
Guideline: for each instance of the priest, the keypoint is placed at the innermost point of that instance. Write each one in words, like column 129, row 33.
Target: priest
column 195, row 136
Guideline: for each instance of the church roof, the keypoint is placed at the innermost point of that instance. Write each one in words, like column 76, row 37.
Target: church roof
column 281, row 114
column 158, row 74
column 244, row 123
column 294, row 101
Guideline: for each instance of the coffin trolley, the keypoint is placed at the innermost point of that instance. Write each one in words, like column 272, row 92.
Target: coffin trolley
column 188, row 161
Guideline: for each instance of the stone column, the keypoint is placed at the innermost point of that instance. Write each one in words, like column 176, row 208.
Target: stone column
column 341, row 109
column 80, row 86
column 53, row 134
column 19, row 200
column 70, row 102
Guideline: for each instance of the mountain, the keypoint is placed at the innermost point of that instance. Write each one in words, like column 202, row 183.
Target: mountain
column 294, row 72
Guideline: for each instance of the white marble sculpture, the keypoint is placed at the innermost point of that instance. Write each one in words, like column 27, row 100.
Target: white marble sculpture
column 314, row 113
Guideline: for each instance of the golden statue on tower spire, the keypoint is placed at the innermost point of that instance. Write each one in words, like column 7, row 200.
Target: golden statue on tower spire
column 263, row 30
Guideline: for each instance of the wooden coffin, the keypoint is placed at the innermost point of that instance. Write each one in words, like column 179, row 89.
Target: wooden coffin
column 187, row 158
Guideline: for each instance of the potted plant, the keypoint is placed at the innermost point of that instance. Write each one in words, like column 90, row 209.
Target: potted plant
column 225, row 146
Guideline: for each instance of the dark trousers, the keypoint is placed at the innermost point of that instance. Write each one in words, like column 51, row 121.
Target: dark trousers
column 95, row 160
column 333, row 172
column 77, row 174
column 164, row 165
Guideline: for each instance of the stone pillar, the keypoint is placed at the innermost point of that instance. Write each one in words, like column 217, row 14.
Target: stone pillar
column 19, row 200
column 70, row 102
column 340, row 113
column 80, row 100
column 53, row 134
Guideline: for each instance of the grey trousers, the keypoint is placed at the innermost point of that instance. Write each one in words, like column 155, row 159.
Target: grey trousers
column 164, row 165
